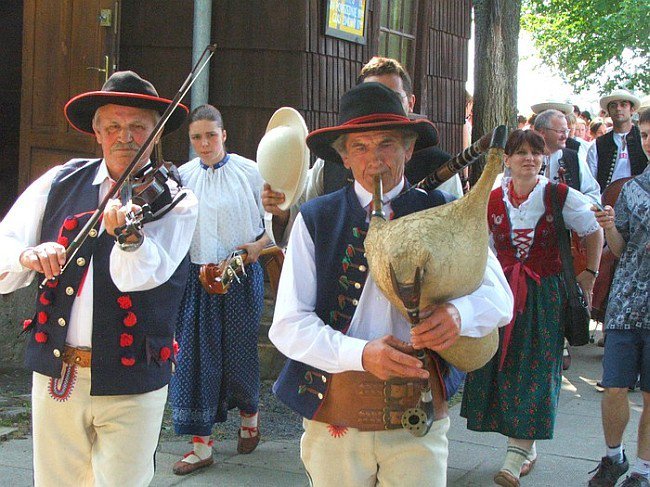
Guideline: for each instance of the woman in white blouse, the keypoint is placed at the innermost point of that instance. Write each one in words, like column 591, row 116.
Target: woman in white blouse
column 218, row 365
column 516, row 393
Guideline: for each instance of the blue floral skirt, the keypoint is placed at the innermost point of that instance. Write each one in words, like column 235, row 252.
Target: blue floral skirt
column 217, row 365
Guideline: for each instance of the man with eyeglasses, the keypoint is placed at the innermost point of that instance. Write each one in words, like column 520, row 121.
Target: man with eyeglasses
column 560, row 162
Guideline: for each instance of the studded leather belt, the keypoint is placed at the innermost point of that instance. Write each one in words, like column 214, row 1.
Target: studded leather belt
column 361, row 400
column 77, row 356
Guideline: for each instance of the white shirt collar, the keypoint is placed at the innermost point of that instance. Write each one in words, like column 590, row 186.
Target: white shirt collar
column 365, row 198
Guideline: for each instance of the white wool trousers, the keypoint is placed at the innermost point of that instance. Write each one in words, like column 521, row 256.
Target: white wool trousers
column 85, row 440
column 339, row 457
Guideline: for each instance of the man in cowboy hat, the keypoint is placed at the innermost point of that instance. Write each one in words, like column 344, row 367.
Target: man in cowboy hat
column 618, row 153
column 339, row 331
column 101, row 341
column 328, row 176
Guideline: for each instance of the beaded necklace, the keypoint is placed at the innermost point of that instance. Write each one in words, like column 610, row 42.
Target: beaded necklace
column 518, row 199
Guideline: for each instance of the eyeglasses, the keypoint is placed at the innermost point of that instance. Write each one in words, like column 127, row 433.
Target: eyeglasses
column 559, row 131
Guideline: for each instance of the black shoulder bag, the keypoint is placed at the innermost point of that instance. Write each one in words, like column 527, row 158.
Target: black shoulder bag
column 576, row 312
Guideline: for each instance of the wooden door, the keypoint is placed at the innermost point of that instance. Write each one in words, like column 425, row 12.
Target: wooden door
column 69, row 47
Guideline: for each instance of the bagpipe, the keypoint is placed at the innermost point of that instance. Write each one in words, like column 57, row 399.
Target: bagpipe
column 218, row 278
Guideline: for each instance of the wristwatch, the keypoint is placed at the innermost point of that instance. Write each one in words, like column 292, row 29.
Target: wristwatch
column 595, row 273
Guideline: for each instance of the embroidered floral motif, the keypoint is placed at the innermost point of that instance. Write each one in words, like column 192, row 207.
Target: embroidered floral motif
column 52, row 283
column 70, row 223
column 337, row 431
column 42, row 317
column 130, row 319
column 165, row 353
column 40, row 337
column 124, row 302
column 61, row 389
column 126, row 340
column 27, row 324
column 63, row 240
column 127, row 361
column 176, row 347
column 45, row 298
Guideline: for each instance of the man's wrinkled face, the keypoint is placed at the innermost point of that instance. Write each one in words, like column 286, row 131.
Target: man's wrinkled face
column 121, row 131
column 380, row 152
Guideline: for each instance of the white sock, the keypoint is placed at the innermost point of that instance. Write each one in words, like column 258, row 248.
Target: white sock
column 642, row 467
column 248, row 424
column 515, row 457
column 615, row 453
column 202, row 449
column 532, row 453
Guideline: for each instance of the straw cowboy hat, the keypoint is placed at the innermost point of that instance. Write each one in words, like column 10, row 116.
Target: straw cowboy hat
column 122, row 88
column 563, row 107
column 370, row 106
column 619, row 95
column 282, row 155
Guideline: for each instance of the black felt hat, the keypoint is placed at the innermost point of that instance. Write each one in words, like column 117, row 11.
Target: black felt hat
column 122, row 88
column 370, row 106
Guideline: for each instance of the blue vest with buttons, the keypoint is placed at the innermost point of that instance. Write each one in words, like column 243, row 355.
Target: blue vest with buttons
column 337, row 225
column 132, row 336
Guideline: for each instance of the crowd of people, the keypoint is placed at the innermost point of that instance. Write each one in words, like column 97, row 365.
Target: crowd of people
column 124, row 317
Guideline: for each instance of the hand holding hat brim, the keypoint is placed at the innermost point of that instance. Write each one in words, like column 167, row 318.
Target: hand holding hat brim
column 282, row 155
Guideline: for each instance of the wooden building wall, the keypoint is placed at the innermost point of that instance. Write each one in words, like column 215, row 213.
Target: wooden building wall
column 156, row 42
column 284, row 58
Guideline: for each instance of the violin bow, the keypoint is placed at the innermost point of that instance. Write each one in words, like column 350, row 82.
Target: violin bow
column 78, row 241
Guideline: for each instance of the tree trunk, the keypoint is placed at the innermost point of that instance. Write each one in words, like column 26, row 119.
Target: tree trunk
column 496, row 34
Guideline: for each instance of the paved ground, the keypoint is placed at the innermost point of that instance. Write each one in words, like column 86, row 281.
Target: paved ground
column 473, row 460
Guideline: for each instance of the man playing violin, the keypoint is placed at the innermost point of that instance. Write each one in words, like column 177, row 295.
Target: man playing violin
column 343, row 336
column 101, row 341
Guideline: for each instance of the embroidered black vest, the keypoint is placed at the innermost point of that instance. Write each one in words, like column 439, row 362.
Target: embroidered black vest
column 608, row 153
column 337, row 225
column 571, row 170
column 132, row 335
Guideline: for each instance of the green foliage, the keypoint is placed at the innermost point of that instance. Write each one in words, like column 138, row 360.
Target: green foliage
column 593, row 43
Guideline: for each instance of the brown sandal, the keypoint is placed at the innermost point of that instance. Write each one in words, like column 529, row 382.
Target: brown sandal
column 182, row 467
column 527, row 467
column 506, row 479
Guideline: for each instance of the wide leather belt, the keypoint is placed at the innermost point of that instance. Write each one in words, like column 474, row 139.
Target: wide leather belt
column 361, row 400
column 77, row 356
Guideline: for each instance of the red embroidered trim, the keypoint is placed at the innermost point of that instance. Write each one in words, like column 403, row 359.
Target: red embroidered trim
column 127, row 361
column 337, row 431
column 63, row 240
column 70, row 223
column 27, row 324
column 165, row 353
column 176, row 347
column 42, row 317
column 130, row 319
column 44, row 299
column 40, row 337
column 60, row 389
column 198, row 439
column 126, row 340
column 124, row 302
column 53, row 283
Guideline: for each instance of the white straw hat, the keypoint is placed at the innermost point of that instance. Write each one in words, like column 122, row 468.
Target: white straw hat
column 282, row 154
column 563, row 107
column 618, row 95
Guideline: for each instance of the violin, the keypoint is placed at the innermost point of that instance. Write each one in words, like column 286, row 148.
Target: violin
column 135, row 221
